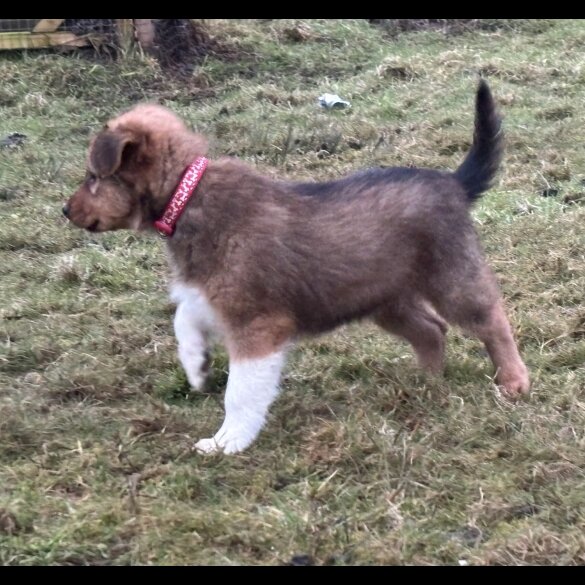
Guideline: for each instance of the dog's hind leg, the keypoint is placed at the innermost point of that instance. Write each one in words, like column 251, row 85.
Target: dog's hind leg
column 193, row 322
column 415, row 322
column 491, row 325
column 473, row 302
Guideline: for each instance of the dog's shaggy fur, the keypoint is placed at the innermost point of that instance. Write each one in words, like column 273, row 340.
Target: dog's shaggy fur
column 265, row 262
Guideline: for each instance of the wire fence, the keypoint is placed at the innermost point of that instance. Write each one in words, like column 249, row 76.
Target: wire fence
column 170, row 40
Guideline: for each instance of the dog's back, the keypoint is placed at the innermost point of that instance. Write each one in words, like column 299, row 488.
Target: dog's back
column 475, row 174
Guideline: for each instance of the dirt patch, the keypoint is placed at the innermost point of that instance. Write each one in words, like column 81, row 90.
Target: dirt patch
column 182, row 44
column 9, row 523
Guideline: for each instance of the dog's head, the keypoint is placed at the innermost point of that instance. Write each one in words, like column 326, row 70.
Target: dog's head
column 132, row 167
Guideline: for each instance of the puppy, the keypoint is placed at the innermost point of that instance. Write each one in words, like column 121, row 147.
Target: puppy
column 263, row 263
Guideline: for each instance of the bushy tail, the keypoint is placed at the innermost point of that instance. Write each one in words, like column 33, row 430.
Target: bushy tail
column 477, row 171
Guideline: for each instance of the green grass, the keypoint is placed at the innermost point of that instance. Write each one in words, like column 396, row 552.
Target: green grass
column 364, row 460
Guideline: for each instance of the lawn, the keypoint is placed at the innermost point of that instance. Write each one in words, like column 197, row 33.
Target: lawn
column 364, row 459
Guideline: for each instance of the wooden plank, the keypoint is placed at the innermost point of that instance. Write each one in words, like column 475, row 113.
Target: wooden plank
column 125, row 30
column 18, row 24
column 48, row 25
column 23, row 40
column 145, row 32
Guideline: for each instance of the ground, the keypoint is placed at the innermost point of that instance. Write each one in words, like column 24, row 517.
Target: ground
column 364, row 460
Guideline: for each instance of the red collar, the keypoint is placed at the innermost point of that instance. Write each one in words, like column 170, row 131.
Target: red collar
column 175, row 207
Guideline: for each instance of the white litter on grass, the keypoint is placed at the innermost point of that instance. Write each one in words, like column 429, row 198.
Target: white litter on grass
column 331, row 100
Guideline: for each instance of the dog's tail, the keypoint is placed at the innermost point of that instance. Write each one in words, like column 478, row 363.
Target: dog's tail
column 477, row 171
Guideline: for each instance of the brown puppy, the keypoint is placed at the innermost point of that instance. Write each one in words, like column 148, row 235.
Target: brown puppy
column 264, row 262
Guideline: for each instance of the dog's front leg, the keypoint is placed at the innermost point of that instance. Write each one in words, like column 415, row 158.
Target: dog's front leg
column 194, row 320
column 252, row 387
column 192, row 347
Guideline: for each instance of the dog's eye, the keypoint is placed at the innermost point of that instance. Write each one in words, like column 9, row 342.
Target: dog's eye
column 91, row 178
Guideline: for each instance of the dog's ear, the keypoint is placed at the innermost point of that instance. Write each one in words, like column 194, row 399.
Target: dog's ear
column 107, row 151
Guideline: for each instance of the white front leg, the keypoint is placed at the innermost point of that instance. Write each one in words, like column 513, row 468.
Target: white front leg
column 252, row 387
column 194, row 320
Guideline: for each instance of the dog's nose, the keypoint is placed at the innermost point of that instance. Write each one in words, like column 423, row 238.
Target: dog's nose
column 66, row 210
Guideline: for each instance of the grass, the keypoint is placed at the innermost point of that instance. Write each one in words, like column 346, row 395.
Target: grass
column 364, row 460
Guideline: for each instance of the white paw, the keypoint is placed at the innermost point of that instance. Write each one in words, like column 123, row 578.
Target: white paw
column 196, row 367
column 207, row 446
column 196, row 380
column 231, row 445
column 237, row 438
column 226, row 441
